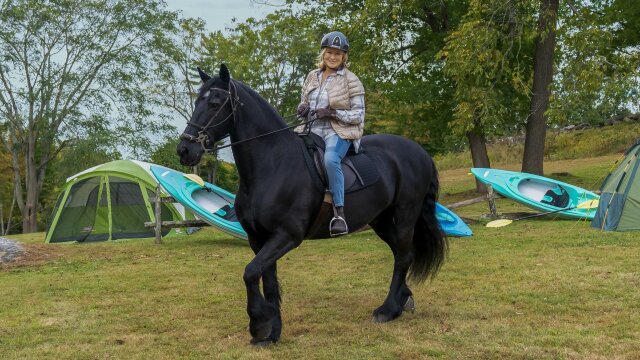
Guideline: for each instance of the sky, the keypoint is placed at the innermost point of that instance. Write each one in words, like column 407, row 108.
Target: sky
column 218, row 15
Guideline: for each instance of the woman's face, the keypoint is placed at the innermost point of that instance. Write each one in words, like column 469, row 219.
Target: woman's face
column 333, row 58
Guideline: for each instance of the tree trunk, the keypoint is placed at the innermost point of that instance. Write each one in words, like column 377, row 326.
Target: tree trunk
column 533, row 159
column 30, row 210
column 13, row 203
column 17, row 176
column 213, row 166
column 479, row 156
column 213, row 169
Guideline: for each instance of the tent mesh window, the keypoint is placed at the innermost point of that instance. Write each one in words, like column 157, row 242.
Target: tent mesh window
column 78, row 216
column 128, row 210
column 86, row 214
column 51, row 216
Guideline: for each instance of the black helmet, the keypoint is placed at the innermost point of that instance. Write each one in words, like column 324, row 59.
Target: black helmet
column 336, row 40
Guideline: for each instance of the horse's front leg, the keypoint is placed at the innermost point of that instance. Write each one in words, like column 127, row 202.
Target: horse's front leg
column 271, row 290
column 264, row 314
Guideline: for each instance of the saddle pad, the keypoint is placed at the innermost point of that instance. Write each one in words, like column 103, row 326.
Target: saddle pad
column 365, row 171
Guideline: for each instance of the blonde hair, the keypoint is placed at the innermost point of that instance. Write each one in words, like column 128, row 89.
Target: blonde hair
column 320, row 60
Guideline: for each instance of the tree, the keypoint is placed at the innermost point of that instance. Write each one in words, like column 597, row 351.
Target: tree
column 165, row 155
column 533, row 158
column 227, row 177
column 598, row 76
column 624, row 14
column 178, row 83
column 271, row 55
column 487, row 58
column 7, row 198
column 452, row 72
column 394, row 52
column 68, row 64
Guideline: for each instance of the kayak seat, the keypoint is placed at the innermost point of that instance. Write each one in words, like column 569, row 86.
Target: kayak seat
column 557, row 197
column 227, row 212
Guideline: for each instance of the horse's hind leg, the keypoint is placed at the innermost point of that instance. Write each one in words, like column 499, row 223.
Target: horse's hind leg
column 396, row 229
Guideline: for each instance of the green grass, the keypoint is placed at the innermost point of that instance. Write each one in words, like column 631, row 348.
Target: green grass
column 536, row 289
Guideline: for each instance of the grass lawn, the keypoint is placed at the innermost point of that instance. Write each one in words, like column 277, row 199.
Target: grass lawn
column 536, row 289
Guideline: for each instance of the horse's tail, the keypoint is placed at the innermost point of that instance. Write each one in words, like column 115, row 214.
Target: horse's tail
column 429, row 243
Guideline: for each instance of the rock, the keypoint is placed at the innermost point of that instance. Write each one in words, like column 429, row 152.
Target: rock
column 9, row 250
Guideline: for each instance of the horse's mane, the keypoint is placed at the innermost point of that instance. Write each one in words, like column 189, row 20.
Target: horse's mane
column 264, row 107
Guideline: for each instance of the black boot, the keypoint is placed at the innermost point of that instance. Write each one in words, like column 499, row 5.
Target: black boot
column 338, row 225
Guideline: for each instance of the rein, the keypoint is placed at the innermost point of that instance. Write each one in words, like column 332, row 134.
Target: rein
column 207, row 150
column 203, row 138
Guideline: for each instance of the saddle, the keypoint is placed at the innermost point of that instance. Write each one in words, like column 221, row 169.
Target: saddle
column 358, row 169
column 359, row 172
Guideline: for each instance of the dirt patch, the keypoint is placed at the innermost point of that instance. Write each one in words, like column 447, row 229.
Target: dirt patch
column 15, row 254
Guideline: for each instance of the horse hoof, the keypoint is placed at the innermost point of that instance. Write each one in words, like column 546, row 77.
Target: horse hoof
column 380, row 318
column 410, row 305
column 260, row 332
column 262, row 342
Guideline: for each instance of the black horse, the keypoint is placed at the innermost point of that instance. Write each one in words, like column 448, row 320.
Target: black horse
column 277, row 201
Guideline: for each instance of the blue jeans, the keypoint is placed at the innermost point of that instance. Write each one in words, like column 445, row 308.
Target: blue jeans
column 336, row 149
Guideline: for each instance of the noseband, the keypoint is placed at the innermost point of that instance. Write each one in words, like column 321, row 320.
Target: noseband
column 202, row 137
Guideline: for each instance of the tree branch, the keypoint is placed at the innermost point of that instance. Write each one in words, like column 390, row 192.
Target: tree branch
column 572, row 7
column 47, row 159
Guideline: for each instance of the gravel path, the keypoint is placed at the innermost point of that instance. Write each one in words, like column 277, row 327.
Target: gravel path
column 9, row 250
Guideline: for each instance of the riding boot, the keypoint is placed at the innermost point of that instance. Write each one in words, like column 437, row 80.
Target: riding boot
column 338, row 225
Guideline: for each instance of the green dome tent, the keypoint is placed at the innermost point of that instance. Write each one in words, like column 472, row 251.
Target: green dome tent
column 109, row 202
column 619, row 207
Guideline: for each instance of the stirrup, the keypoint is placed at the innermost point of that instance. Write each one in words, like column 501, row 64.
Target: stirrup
column 338, row 231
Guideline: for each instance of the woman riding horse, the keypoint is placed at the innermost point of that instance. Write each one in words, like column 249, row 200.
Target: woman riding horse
column 334, row 97
column 277, row 205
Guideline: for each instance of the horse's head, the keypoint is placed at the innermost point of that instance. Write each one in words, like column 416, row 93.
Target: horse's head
column 212, row 118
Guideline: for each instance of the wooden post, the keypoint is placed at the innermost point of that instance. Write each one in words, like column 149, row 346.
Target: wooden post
column 491, row 198
column 158, row 216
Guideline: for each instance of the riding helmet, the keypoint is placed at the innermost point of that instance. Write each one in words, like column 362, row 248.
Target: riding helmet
column 336, row 40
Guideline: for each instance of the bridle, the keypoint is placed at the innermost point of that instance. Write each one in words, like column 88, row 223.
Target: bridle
column 202, row 137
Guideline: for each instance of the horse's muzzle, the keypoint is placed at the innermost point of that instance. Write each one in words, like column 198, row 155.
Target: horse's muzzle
column 189, row 153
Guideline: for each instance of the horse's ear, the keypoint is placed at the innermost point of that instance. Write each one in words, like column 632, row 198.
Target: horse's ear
column 224, row 73
column 203, row 75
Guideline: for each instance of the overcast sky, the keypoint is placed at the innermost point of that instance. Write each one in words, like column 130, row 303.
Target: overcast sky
column 218, row 14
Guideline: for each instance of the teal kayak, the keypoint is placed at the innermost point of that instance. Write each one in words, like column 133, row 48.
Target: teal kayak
column 538, row 192
column 210, row 203
column 450, row 223
column 214, row 205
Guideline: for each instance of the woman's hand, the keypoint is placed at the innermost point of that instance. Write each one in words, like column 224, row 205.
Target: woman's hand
column 303, row 110
column 326, row 114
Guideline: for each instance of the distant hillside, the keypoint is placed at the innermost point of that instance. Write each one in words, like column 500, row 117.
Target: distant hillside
column 561, row 144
